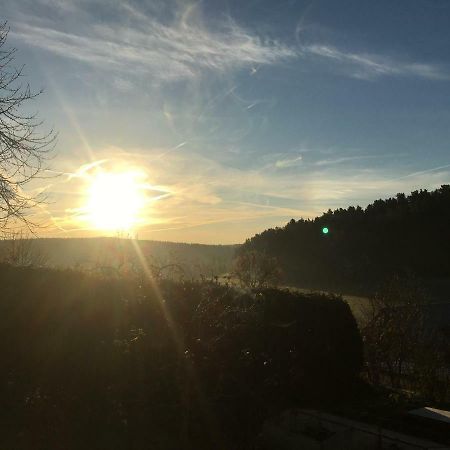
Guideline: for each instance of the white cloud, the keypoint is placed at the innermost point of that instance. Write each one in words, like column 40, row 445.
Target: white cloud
column 182, row 49
column 135, row 41
column 372, row 66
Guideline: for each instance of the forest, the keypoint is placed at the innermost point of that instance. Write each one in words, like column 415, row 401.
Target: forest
column 406, row 235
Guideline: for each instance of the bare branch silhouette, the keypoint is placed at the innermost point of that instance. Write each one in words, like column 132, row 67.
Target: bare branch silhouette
column 24, row 147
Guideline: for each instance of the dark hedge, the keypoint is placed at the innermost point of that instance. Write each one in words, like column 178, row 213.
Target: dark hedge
column 106, row 363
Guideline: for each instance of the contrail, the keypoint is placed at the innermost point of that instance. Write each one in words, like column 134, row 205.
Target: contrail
column 181, row 144
column 421, row 172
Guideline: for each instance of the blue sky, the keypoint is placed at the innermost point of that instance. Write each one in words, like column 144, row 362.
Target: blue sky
column 242, row 115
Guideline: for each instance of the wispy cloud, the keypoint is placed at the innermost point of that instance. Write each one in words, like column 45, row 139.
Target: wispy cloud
column 347, row 159
column 371, row 66
column 138, row 41
column 193, row 192
column 181, row 49
column 288, row 162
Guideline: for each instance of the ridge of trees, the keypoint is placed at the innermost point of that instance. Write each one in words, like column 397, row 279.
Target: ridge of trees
column 405, row 234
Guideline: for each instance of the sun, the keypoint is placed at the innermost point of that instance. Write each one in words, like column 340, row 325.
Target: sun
column 114, row 201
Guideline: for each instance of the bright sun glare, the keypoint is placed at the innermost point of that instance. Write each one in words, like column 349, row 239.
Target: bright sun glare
column 115, row 201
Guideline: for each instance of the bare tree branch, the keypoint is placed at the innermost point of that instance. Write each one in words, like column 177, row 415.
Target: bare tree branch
column 24, row 148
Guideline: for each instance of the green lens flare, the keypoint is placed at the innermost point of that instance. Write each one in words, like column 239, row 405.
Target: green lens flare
column 325, row 230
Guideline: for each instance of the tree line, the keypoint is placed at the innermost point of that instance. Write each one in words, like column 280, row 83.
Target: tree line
column 403, row 235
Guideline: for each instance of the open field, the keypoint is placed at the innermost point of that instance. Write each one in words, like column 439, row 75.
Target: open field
column 437, row 311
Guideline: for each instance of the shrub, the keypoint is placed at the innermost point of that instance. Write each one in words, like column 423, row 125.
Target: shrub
column 105, row 361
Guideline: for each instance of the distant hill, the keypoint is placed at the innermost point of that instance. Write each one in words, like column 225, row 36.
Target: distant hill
column 194, row 259
column 400, row 235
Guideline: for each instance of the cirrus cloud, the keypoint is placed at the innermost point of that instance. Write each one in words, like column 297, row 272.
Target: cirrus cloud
column 369, row 66
column 184, row 48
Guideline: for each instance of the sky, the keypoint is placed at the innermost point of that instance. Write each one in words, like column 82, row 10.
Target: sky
column 236, row 115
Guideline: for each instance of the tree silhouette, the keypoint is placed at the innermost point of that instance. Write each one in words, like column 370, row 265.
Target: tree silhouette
column 23, row 146
column 254, row 269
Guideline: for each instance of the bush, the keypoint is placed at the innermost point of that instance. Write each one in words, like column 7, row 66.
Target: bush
column 109, row 362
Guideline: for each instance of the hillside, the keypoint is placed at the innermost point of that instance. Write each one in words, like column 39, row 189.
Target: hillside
column 404, row 235
column 87, row 253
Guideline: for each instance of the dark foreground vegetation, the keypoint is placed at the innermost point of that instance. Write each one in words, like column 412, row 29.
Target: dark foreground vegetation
column 402, row 235
column 109, row 363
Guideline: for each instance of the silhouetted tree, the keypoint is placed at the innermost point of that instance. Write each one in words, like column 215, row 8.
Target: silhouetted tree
column 20, row 249
column 255, row 269
column 23, row 147
column 393, row 330
column 399, row 344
